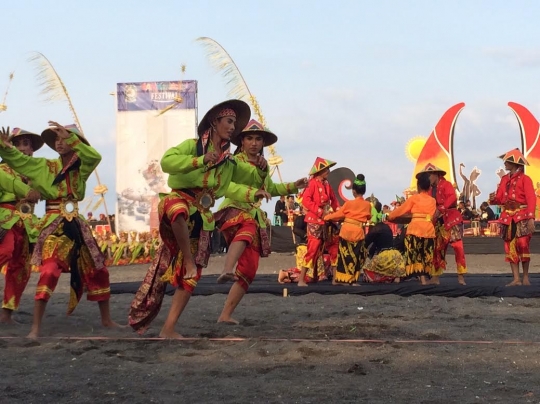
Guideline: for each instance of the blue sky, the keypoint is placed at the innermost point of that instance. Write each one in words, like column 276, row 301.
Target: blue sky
column 351, row 81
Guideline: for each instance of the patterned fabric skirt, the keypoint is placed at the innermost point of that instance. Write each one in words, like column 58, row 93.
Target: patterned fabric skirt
column 14, row 257
column 517, row 239
column 321, row 270
column 237, row 225
column 321, row 238
column 351, row 258
column 71, row 245
column 454, row 233
column 385, row 267
column 444, row 238
column 419, row 255
column 167, row 265
column 514, row 230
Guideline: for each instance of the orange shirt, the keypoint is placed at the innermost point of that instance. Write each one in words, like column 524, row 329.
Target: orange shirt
column 354, row 213
column 423, row 207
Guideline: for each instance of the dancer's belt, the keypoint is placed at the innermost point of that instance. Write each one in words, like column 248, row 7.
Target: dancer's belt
column 421, row 217
column 204, row 197
column 24, row 209
column 68, row 208
column 513, row 205
column 354, row 222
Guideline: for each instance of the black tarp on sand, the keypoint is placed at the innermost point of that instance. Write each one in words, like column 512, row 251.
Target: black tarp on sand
column 477, row 286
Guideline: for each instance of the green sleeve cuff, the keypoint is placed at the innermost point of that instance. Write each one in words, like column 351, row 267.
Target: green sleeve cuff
column 198, row 162
column 251, row 194
column 73, row 140
column 291, row 188
column 21, row 189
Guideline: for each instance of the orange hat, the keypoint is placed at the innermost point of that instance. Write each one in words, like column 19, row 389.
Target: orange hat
column 320, row 164
column 431, row 169
column 514, row 156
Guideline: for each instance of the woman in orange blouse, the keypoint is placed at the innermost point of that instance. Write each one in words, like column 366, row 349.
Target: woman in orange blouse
column 352, row 252
column 420, row 237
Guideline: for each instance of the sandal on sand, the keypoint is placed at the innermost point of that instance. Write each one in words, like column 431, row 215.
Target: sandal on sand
column 226, row 277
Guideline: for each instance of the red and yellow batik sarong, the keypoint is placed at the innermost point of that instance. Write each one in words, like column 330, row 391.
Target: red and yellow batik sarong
column 168, row 264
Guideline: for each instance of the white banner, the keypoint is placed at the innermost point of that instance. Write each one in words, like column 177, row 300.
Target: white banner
column 142, row 137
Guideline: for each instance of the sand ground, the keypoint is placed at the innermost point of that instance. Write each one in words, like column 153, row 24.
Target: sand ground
column 262, row 368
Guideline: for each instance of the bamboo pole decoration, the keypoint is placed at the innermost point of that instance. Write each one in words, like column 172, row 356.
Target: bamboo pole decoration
column 54, row 89
column 223, row 63
column 3, row 105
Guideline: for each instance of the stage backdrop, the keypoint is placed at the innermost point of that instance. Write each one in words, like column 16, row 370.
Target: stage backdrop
column 142, row 137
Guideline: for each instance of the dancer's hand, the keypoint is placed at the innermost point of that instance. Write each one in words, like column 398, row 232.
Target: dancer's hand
column 4, row 136
column 261, row 162
column 60, row 130
column 301, row 183
column 33, row 196
column 210, row 158
column 530, row 226
column 262, row 194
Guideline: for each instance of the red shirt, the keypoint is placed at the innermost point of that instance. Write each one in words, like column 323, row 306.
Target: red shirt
column 446, row 199
column 516, row 189
column 316, row 198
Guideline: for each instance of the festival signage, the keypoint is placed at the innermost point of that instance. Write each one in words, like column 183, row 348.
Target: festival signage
column 151, row 117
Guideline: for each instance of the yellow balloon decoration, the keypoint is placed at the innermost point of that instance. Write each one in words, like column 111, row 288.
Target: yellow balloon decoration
column 414, row 147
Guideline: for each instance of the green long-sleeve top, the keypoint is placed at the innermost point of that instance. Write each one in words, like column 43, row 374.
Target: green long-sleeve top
column 13, row 189
column 42, row 172
column 265, row 183
column 187, row 171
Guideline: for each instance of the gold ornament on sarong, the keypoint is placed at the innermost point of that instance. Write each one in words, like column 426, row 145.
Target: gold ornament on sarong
column 24, row 210
column 69, row 209
column 204, row 201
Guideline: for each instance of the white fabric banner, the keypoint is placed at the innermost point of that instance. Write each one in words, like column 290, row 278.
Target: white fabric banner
column 142, row 137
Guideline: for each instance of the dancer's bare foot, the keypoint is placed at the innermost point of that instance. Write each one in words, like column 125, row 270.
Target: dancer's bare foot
column 34, row 334
column 9, row 321
column 423, row 281
column 5, row 317
column 228, row 320
column 515, row 282
column 169, row 334
column 227, row 277
column 111, row 324
column 191, row 270
column 461, row 279
column 355, row 284
column 397, row 280
column 434, row 281
column 337, row 283
column 526, row 281
column 302, row 283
